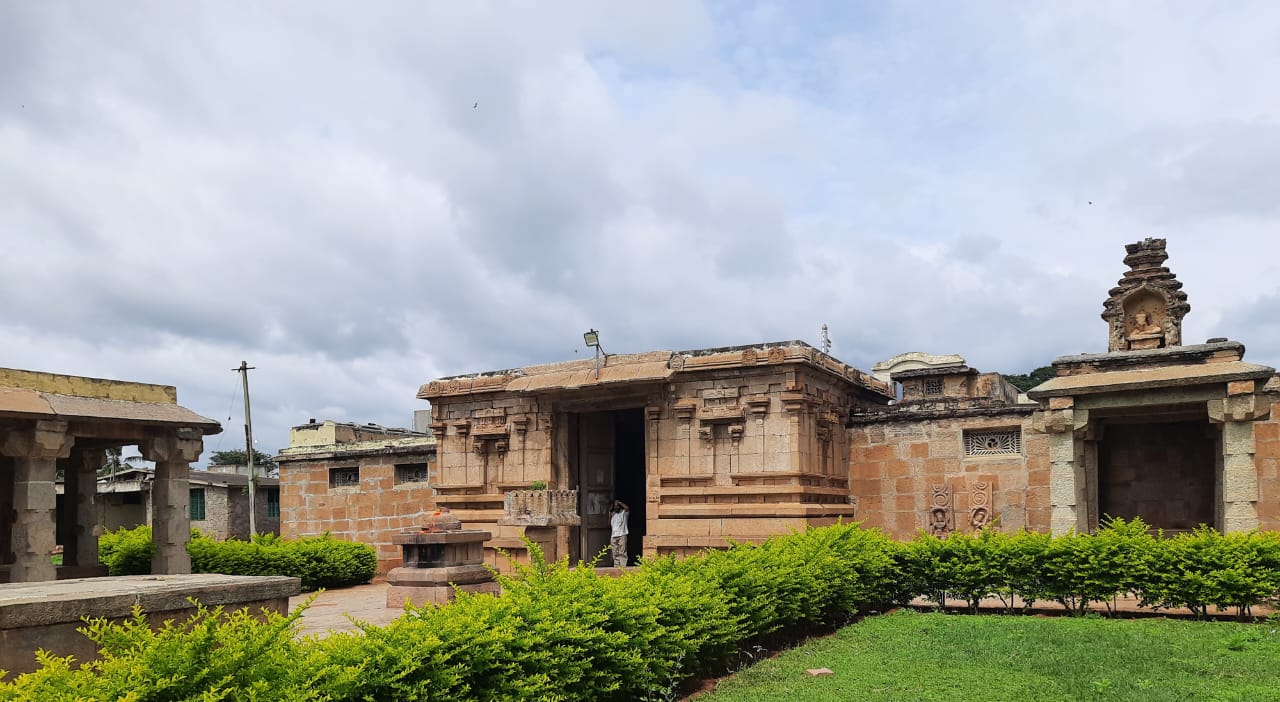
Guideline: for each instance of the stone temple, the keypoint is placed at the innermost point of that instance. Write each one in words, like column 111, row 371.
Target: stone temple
column 744, row 442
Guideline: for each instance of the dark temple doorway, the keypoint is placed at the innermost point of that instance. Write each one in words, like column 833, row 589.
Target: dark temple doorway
column 608, row 460
column 1164, row 473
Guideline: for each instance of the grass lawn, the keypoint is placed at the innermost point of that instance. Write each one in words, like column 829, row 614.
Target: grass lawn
column 917, row 657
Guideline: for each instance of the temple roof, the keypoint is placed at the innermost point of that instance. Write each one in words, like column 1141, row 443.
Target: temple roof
column 35, row 395
column 652, row 366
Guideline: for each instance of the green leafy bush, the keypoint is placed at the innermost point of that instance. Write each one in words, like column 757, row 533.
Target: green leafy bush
column 321, row 561
column 127, row 551
column 562, row 633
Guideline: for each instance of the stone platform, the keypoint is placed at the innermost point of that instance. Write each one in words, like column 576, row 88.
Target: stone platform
column 47, row 614
column 435, row 563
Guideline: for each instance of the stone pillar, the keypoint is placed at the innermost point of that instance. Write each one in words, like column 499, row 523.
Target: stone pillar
column 6, row 515
column 79, row 519
column 35, row 451
column 1239, row 479
column 170, row 498
column 1065, row 426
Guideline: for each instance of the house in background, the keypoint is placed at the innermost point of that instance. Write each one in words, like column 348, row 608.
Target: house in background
column 360, row 482
column 218, row 502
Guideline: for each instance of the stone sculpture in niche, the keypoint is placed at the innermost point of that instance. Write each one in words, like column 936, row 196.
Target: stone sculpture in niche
column 940, row 520
column 980, row 505
column 1149, row 288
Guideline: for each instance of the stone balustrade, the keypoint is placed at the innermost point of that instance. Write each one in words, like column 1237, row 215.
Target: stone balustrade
column 540, row 508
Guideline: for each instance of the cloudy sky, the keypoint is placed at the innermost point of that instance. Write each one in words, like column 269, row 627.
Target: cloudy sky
column 359, row 197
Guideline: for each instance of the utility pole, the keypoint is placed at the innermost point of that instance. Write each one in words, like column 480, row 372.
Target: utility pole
column 243, row 370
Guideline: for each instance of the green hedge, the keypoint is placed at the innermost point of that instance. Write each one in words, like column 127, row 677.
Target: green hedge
column 321, row 562
column 126, row 551
column 560, row 633
column 1197, row 570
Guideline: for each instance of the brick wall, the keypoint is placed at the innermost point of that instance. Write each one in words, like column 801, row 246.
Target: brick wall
column 371, row 512
column 894, row 463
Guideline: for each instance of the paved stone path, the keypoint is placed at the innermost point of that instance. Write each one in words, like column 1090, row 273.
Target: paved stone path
column 333, row 610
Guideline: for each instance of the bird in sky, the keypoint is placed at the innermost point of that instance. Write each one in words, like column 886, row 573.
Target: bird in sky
column 475, row 106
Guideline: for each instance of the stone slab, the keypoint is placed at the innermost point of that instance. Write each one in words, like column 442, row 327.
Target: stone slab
column 47, row 615
column 418, row 596
column 56, row 601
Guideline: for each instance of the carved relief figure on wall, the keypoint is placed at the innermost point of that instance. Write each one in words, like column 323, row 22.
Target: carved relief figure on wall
column 1145, row 333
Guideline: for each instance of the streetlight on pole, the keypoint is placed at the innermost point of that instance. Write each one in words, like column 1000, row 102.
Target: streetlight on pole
column 592, row 339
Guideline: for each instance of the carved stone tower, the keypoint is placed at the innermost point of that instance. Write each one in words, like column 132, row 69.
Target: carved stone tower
column 1146, row 308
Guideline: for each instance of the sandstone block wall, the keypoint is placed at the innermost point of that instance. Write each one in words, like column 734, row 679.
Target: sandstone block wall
column 371, row 512
column 1266, row 436
column 896, row 463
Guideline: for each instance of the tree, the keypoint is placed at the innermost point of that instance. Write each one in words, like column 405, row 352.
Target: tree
column 117, row 461
column 237, row 457
column 1025, row 382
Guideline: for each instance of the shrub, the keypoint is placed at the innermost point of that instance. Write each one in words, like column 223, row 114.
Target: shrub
column 321, row 562
column 562, row 633
column 127, row 551
column 1206, row 568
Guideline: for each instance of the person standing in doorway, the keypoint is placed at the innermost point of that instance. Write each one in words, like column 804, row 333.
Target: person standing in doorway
column 618, row 536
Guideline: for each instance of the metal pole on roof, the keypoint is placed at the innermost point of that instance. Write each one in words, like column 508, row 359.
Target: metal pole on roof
column 243, row 370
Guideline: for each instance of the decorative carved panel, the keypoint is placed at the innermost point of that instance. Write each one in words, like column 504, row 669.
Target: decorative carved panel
column 980, row 504
column 941, row 517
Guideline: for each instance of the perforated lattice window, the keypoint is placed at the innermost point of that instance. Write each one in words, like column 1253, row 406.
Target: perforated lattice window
column 344, row 477
column 933, row 386
column 1005, row 442
column 411, row 473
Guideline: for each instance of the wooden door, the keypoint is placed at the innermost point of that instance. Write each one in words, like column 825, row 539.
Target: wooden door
column 595, row 481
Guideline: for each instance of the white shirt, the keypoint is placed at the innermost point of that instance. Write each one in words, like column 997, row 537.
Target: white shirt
column 618, row 520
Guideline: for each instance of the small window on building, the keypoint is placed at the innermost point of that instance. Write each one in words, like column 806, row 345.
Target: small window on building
column 273, row 503
column 344, row 477
column 1006, row 442
column 197, row 504
column 131, row 498
column 411, row 473
column 933, row 386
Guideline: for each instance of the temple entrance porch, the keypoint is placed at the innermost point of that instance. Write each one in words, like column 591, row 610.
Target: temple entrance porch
column 1162, row 472
column 606, row 461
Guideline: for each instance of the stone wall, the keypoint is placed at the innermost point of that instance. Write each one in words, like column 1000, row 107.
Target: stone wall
column 219, row 516
column 371, row 512
column 742, row 455
column 902, row 466
column 1266, row 435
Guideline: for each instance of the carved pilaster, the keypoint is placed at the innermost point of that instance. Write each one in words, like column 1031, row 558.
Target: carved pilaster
column 1236, row 414
column 1066, row 426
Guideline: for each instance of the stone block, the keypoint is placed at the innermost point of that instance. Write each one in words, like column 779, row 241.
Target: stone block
column 1266, row 431
column 898, row 468
column 1239, row 486
column 1062, row 519
column 882, row 452
column 918, row 450
column 1237, row 438
column 1062, row 448
column 1062, row 489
